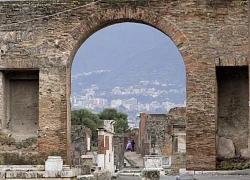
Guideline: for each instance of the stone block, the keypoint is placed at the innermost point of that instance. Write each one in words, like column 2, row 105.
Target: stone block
column 226, row 148
column 85, row 177
column 150, row 175
column 54, row 163
column 244, row 153
column 102, row 175
column 153, row 162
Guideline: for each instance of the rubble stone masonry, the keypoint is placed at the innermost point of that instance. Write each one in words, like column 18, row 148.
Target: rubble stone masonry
column 45, row 35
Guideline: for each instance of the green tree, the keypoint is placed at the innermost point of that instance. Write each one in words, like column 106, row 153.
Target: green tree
column 121, row 124
column 86, row 118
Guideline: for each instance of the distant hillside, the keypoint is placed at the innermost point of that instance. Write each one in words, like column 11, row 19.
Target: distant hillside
column 132, row 53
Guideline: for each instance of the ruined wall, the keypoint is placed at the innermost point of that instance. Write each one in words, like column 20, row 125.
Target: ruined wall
column 119, row 149
column 79, row 143
column 232, row 111
column 166, row 136
column 156, row 127
column 45, row 35
column 161, row 129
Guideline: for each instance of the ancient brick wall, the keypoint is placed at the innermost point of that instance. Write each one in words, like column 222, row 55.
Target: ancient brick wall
column 45, row 35
column 101, row 145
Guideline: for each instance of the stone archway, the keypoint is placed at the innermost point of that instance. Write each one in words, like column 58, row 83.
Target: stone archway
column 45, row 41
column 101, row 20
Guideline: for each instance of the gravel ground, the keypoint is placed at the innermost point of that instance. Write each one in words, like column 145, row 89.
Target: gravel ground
column 198, row 177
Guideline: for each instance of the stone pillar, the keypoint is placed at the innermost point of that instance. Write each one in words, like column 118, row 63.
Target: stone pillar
column 119, row 149
column 105, row 157
column 2, row 101
column 201, row 117
column 53, row 134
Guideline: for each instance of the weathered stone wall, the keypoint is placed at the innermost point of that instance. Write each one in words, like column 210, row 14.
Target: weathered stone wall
column 119, row 149
column 166, row 136
column 161, row 128
column 232, row 110
column 79, row 143
column 20, row 104
column 45, row 36
column 156, row 125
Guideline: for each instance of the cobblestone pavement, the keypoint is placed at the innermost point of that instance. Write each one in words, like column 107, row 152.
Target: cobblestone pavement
column 198, row 177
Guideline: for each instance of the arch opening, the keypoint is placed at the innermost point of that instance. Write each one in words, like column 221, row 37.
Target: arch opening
column 129, row 69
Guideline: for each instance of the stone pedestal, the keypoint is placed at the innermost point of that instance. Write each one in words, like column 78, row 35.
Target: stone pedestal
column 54, row 163
column 153, row 162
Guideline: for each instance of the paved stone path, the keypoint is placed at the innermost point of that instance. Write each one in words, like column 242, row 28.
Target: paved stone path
column 135, row 157
column 198, row 177
column 139, row 161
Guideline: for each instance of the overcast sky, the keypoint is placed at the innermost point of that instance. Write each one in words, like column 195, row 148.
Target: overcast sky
column 113, row 45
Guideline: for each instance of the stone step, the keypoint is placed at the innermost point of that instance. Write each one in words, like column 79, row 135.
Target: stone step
column 185, row 177
column 131, row 171
column 129, row 174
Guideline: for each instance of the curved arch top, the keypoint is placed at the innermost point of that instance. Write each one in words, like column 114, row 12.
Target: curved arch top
column 101, row 20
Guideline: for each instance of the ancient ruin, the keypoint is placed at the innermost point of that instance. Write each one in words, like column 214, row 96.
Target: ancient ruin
column 165, row 136
column 38, row 41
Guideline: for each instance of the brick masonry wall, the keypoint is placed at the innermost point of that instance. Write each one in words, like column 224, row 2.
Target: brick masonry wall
column 101, row 148
column 107, row 142
column 207, row 33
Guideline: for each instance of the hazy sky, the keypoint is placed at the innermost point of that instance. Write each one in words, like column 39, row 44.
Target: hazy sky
column 112, row 46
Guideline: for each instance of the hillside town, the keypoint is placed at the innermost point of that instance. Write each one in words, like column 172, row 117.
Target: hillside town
column 94, row 100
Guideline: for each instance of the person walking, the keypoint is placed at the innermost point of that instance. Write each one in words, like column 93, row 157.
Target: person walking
column 133, row 145
column 129, row 146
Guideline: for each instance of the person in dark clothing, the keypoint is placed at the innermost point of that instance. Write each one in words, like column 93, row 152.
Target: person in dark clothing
column 133, row 145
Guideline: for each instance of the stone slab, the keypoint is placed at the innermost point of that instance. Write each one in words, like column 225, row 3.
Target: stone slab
column 54, row 163
column 41, row 174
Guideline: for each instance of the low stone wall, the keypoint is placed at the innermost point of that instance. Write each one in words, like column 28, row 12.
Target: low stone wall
column 98, row 175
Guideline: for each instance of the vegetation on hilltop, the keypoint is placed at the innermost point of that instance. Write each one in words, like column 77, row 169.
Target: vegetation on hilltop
column 91, row 120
